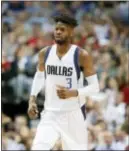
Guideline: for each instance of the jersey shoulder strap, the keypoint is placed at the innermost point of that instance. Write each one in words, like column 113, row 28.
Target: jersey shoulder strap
column 47, row 54
column 76, row 62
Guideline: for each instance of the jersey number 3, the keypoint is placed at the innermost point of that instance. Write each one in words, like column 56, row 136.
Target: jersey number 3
column 69, row 83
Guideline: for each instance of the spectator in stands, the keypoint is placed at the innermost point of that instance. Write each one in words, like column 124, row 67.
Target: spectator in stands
column 109, row 143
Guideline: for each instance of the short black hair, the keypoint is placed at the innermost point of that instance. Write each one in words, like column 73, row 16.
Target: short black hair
column 67, row 19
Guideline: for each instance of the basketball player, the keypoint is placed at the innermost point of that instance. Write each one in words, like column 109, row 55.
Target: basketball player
column 58, row 71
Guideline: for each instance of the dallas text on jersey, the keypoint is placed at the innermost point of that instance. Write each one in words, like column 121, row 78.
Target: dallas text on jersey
column 59, row 70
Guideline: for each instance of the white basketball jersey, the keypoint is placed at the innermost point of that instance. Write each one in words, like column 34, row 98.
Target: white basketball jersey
column 60, row 72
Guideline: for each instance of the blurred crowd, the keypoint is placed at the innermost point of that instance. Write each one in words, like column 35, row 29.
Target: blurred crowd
column 103, row 31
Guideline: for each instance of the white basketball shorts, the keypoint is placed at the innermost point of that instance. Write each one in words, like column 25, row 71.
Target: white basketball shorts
column 68, row 126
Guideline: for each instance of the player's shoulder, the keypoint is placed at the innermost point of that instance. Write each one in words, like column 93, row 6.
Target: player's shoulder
column 83, row 55
column 43, row 51
column 82, row 52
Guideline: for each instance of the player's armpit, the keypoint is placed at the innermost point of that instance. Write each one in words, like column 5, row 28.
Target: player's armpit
column 41, row 65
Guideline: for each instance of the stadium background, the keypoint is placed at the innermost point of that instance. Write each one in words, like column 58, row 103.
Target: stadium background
column 103, row 31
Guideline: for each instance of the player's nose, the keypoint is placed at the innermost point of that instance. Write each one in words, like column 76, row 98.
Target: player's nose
column 58, row 32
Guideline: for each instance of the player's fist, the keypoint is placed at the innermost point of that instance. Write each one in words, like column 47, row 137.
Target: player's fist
column 65, row 93
column 32, row 109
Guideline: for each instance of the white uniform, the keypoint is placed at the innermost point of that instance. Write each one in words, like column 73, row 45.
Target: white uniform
column 61, row 118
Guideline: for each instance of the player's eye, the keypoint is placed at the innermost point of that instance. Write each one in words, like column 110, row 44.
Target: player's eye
column 56, row 29
column 62, row 29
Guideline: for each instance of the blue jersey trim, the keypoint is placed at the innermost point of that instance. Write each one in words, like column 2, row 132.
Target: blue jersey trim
column 76, row 62
column 46, row 57
column 46, row 54
column 83, row 109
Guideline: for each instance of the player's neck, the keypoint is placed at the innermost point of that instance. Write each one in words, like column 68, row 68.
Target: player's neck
column 63, row 48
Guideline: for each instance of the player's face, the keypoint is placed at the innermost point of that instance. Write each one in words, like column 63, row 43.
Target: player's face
column 62, row 33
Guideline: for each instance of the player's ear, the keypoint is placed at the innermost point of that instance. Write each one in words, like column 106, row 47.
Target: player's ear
column 71, row 32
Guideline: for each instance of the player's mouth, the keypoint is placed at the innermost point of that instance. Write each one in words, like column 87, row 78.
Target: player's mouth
column 58, row 37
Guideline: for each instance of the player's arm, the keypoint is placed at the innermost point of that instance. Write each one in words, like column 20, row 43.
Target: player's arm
column 38, row 81
column 85, row 61
column 37, row 85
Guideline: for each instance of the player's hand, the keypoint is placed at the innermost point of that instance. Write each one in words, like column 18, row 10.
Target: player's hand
column 32, row 109
column 65, row 93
